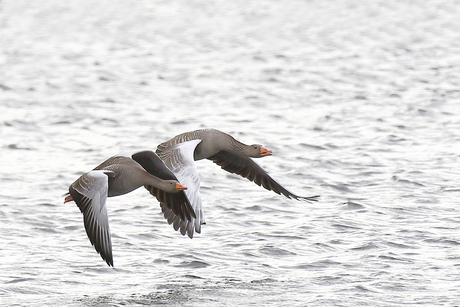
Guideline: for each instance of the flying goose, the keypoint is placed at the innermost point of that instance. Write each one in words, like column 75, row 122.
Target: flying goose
column 180, row 152
column 119, row 175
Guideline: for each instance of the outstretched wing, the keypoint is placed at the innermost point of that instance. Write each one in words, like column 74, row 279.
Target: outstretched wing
column 175, row 202
column 90, row 194
column 179, row 159
column 247, row 168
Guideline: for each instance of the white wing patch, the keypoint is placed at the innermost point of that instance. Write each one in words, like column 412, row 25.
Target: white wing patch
column 179, row 159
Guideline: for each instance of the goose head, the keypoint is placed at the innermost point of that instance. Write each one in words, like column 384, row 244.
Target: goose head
column 257, row 151
column 172, row 186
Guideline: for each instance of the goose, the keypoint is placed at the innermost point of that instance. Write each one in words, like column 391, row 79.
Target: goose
column 180, row 152
column 120, row 175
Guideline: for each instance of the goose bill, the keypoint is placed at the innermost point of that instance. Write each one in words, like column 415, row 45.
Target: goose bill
column 180, row 187
column 265, row 152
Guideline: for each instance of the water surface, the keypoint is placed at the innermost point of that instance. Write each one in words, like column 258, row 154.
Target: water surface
column 358, row 101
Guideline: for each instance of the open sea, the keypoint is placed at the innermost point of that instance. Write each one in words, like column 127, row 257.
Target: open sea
column 358, row 100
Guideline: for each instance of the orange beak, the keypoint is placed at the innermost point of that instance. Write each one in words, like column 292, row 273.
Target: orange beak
column 265, row 152
column 67, row 199
column 180, row 187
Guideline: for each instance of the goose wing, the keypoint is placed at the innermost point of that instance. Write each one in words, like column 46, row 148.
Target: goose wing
column 179, row 159
column 90, row 194
column 177, row 203
column 247, row 168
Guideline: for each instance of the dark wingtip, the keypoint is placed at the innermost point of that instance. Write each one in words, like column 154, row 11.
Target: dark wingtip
column 310, row 198
column 109, row 262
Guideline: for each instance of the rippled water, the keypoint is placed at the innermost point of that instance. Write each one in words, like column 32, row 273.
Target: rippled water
column 359, row 101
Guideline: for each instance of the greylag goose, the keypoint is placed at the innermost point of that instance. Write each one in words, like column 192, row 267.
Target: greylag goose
column 119, row 175
column 180, row 152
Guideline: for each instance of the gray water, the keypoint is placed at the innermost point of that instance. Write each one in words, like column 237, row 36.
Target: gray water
column 358, row 100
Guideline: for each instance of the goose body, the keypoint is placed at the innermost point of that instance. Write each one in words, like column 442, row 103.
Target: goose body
column 231, row 155
column 120, row 175
column 212, row 142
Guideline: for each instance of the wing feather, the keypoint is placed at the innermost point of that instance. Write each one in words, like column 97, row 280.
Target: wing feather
column 90, row 194
column 247, row 168
column 177, row 202
column 179, row 159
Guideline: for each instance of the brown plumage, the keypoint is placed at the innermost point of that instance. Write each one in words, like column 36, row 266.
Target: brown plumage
column 119, row 175
column 232, row 156
column 180, row 152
